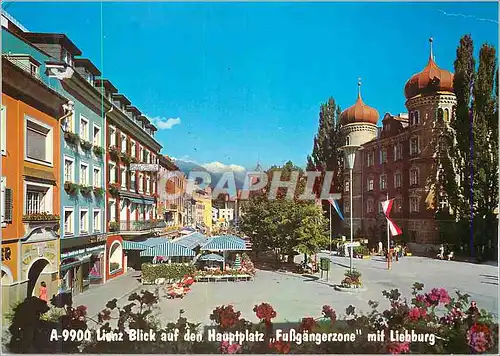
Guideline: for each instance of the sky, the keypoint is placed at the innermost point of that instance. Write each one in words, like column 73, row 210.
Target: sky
column 241, row 83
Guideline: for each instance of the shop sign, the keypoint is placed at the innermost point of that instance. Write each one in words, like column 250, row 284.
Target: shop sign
column 98, row 238
column 81, row 251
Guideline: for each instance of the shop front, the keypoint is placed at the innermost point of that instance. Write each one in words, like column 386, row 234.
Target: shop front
column 82, row 262
column 117, row 263
column 40, row 263
column 10, row 285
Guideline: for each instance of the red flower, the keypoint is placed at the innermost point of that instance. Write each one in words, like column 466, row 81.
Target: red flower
column 264, row 312
column 396, row 348
column 280, row 346
column 437, row 296
column 227, row 348
column 225, row 316
column 328, row 312
column 417, row 313
column 479, row 338
column 307, row 324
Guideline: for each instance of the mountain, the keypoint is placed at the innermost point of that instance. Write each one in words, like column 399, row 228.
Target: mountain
column 189, row 166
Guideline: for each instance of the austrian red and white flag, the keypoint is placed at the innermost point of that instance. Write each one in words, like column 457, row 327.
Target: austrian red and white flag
column 387, row 207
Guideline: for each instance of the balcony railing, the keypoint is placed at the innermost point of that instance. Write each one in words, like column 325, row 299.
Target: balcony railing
column 141, row 225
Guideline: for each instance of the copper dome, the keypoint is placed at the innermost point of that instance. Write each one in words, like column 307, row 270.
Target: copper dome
column 430, row 80
column 359, row 112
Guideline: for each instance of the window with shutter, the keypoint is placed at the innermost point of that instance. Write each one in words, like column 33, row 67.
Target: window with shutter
column 2, row 201
column 3, row 130
column 8, row 206
column 36, row 144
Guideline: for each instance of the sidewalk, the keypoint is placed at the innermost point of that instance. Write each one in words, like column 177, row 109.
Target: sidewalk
column 97, row 296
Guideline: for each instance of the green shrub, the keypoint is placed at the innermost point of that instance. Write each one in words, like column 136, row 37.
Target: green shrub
column 170, row 271
column 361, row 250
column 113, row 266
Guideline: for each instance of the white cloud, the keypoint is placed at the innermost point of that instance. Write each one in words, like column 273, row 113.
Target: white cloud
column 163, row 123
column 218, row 167
column 468, row 17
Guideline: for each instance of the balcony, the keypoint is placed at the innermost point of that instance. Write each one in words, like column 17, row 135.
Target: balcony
column 137, row 226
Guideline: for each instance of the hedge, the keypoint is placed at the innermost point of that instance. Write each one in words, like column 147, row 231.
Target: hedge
column 169, row 271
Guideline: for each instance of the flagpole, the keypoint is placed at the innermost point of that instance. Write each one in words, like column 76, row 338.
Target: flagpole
column 388, row 239
column 330, row 230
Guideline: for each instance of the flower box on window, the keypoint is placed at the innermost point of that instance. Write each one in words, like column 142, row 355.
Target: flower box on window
column 86, row 145
column 41, row 217
column 114, row 226
column 99, row 192
column 114, row 153
column 98, row 151
column 125, row 158
column 71, row 188
column 114, row 189
column 71, row 138
column 134, row 160
column 85, row 190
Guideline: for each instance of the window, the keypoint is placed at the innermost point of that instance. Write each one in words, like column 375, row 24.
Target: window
column 383, row 155
column 123, row 177
column 38, row 199
column 38, row 142
column 383, row 182
column 112, row 173
column 69, row 173
column 347, row 207
column 33, row 69
column 89, row 77
column 84, row 221
column 6, row 204
column 446, row 115
column 4, row 130
column 97, row 221
column 112, row 210
column 141, row 182
column 84, row 174
column 369, row 159
column 380, row 207
column 414, row 204
column 369, row 206
column 148, row 184
column 68, row 124
column 347, row 141
column 153, row 186
column 398, row 151
column 112, row 136
column 66, row 57
column 414, row 146
column 397, row 180
column 69, row 224
column 96, row 137
column 412, row 119
column 84, row 128
column 132, row 182
column 97, row 177
column 132, row 149
column 370, row 184
column 417, row 118
column 399, row 205
column 414, row 176
column 141, row 153
column 123, row 143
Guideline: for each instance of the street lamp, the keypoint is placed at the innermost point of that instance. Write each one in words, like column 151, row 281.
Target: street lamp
column 350, row 155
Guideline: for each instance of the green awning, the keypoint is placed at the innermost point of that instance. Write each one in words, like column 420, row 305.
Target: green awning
column 134, row 246
column 168, row 249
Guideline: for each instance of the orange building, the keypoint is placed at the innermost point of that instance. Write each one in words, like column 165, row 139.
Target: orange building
column 30, row 182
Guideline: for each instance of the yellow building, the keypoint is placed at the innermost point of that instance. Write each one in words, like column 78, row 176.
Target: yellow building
column 203, row 212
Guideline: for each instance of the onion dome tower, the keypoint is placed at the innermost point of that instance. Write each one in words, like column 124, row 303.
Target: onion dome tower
column 430, row 93
column 359, row 122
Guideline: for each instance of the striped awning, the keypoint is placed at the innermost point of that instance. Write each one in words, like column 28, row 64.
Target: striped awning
column 167, row 249
column 133, row 246
column 225, row 243
column 192, row 241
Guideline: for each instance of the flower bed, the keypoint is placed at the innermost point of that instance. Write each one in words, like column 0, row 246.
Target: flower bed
column 169, row 272
column 459, row 327
column 352, row 279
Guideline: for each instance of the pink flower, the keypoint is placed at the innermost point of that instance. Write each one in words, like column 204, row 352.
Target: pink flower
column 417, row 313
column 479, row 338
column 328, row 312
column 227, row 348
column 396, row 348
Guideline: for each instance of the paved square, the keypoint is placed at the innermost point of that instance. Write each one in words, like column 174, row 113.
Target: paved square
column 295, row 296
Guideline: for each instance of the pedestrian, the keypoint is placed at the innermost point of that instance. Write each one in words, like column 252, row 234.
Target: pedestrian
column 43, row 291
column 380, row 246
column 441, row 252
column 397, row 252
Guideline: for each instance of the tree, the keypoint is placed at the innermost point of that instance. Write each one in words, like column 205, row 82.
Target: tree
column 326, row 155
column 473, row 147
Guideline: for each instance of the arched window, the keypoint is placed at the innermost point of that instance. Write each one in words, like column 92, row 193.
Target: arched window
column 411, row 119
column 416, row 120
column 446, row 115
column 440, row 114
column 347, row 141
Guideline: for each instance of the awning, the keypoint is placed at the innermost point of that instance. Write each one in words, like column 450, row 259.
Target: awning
column 225, row 243
column 192, row 241
column 46, row 176
column 168, row 249
column 140, row 201
column 133, row 246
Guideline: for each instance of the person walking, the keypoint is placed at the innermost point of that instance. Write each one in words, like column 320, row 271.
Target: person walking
column 380, row 247
column 43, row 291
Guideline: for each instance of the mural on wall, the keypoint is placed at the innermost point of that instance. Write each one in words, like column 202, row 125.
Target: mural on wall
column 9, row 263
column 47, row 250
